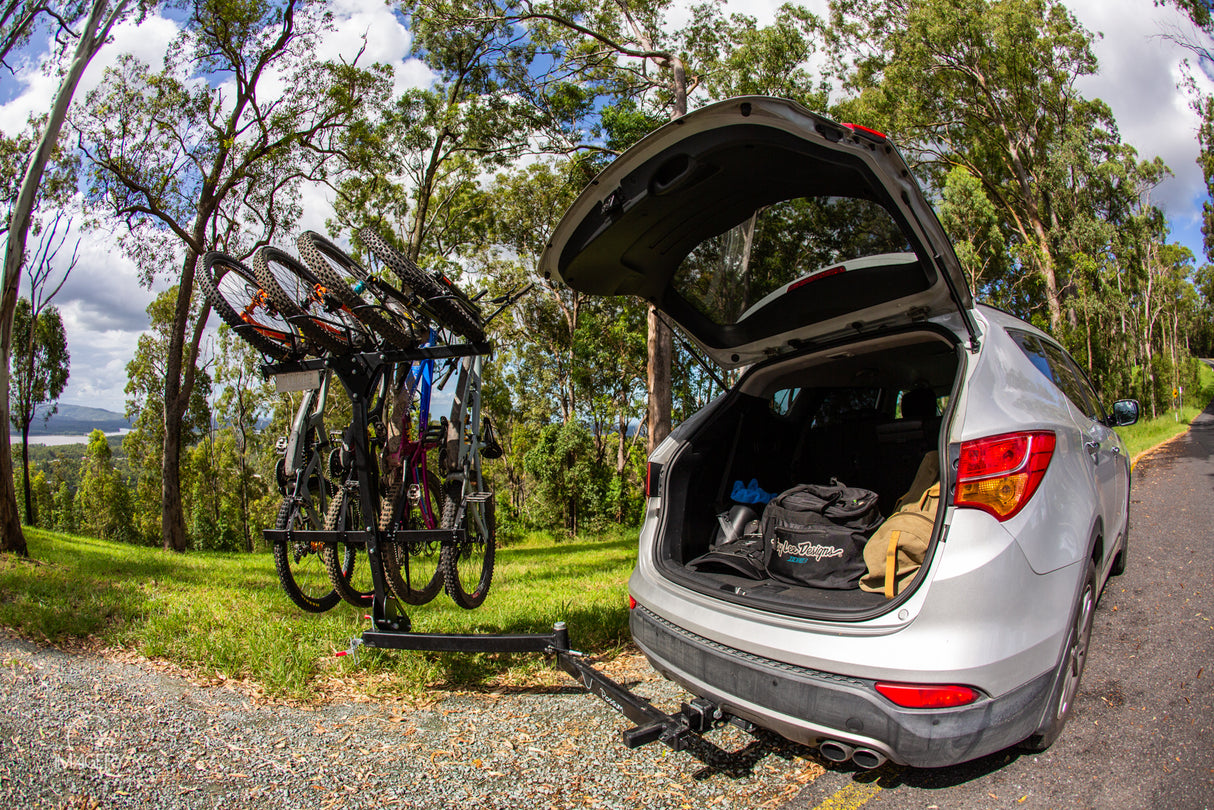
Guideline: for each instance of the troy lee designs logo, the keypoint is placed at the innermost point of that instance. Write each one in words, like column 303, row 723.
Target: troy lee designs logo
column 806, row 551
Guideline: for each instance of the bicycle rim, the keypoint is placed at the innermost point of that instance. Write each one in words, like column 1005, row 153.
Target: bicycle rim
column 330, row 263
column 468, row 564
column 301, row 569
column 235, row 294
column 299, row 296
column 353, row 583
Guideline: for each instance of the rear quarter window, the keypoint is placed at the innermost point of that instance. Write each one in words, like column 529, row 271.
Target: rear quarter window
column 1058, row 367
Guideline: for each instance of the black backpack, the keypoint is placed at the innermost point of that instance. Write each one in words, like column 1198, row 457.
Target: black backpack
column 814, row 534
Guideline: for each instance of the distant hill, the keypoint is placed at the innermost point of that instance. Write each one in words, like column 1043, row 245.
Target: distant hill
column 77, row 419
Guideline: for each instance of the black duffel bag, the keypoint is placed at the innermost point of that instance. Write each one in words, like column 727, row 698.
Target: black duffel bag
column 814, row 534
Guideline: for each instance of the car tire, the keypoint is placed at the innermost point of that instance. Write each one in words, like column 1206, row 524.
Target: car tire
column 1070, row 668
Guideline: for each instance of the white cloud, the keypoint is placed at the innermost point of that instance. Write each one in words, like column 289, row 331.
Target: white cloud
column 1139, row 74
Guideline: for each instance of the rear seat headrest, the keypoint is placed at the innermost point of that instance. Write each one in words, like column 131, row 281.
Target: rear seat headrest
column 919, row 403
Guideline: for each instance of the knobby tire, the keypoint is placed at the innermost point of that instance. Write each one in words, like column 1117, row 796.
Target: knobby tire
column 301, row 570
column 320, row 255
column 467, row 565
column 445, row 302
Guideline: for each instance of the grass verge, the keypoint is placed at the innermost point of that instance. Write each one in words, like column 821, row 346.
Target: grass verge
column 224, row 615
column 1150, row 432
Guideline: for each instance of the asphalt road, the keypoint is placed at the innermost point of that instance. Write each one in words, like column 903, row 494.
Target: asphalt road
column 1142, row 732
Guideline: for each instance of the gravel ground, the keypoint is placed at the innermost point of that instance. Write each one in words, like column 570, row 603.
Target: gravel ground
column 98, row 730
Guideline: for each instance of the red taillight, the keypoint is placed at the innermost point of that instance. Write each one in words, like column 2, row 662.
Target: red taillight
column 924, row 696
column 632, row 603
column 999, row 474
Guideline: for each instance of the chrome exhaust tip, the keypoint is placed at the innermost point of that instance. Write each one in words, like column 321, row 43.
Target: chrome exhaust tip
column 835, row 751
column 868, row 759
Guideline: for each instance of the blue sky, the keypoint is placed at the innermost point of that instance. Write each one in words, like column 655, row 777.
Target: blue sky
column 103, row 304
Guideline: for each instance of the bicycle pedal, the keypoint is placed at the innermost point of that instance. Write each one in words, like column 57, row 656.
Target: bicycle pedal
column 480, row 497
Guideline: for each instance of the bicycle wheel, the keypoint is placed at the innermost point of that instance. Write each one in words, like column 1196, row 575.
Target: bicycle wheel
column 301, row 571
column 329, row 263
column 353, row 583
column 412, row 567
column 450, row 307
column 301, row 299
column 468, row 565
column 239, row 299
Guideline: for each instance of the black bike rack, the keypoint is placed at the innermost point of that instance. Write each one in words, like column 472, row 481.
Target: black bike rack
column 360, row 374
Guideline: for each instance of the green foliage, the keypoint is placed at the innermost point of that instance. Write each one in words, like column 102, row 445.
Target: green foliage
column 103, row 499
column 225, row 614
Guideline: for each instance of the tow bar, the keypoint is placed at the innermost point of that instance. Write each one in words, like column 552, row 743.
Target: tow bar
column 678, row 730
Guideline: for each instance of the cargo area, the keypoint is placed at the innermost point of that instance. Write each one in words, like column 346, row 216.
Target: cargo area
column 864, row 415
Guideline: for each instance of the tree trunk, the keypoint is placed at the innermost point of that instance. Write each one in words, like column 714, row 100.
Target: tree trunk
column 660, row 347
column 178, row 386
column 91, row 38
column 31, row 519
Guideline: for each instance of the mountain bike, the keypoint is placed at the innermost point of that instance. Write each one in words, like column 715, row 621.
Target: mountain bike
column 467, row 564
column 414, row 497
column 302, row 571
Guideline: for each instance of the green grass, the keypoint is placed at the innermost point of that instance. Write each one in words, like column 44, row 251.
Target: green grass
column 224, row 615
column 1150, row 432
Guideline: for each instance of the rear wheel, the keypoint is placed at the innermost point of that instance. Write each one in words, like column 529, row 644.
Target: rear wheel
column 301, row 569
column 1074, row 658
column 412, row 567
column 330, row 263
column 468, row 564
column 353, row 582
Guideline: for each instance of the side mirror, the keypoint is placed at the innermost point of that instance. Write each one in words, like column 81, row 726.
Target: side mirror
column 1125, row 412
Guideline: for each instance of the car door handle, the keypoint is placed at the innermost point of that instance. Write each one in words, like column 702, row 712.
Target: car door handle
column 1091, row 447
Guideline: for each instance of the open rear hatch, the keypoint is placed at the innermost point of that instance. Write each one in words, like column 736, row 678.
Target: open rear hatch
column 761, row 228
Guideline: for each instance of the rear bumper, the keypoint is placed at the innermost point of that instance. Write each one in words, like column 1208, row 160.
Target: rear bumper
column 808, row 706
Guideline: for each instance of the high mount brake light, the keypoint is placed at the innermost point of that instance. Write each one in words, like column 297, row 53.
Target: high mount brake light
column 999, row 474
column 926, row 696
column 862, row 128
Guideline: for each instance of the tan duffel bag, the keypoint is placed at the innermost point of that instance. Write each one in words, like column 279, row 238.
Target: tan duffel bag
column 896, row 550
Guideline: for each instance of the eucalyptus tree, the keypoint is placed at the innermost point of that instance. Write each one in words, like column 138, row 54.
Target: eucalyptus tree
column 991, row 86
column 210, row 153
column 411, row 162
column 38, row 376
column 93, row 31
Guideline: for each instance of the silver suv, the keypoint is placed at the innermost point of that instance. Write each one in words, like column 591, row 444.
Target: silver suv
column 802, row 254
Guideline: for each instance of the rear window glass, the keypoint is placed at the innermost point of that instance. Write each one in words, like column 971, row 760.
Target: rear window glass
column 727, row 275
column 842, row 405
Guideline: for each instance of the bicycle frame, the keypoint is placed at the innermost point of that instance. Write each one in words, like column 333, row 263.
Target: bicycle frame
column 302, row 461
column 465, row 467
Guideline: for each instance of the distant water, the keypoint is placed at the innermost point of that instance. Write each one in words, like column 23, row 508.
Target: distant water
column 50, row 439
